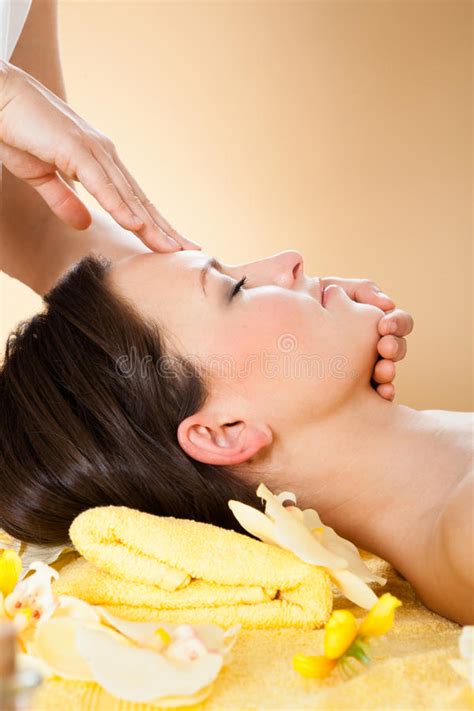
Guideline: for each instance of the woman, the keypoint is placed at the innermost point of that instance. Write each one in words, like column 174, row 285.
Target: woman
column 113, row 396
column 147, row 383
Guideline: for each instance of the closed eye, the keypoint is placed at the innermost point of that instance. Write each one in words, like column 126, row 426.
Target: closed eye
column 238, row 286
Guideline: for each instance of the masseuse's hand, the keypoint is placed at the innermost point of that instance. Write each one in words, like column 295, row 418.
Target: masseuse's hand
column 40, row 134
column 393, row 326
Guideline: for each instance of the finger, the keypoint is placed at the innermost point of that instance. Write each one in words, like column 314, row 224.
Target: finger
column 367, row 293
column 392, row 347
column 363, row 291
column 397, row 322
column 59, row 196
column 386, row 390
column 157, row 217
column 62, row 201
column 384, row 371
column 42, row 176
column 85, row 167
column 151, row 234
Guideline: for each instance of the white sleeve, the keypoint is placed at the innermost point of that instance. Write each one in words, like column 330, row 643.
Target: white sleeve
column 13, row 14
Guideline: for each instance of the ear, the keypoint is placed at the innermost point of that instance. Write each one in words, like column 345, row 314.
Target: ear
column 223, row 444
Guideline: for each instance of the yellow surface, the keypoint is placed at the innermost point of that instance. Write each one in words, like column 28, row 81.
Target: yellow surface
column 410, row 669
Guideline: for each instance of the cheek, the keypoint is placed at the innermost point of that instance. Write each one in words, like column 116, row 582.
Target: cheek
column 275, row 325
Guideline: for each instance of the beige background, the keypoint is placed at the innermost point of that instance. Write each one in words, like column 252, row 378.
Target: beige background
column 341, row 129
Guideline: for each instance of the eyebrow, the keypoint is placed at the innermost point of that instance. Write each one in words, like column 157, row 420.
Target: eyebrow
column 211, row 263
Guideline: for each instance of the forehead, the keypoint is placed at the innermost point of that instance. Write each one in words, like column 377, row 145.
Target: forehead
column 145, row 279
column 153, row 267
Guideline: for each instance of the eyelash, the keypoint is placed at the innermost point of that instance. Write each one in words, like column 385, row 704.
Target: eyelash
column 238, row 286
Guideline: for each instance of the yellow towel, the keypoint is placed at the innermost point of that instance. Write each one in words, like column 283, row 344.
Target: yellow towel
column 145, row 567
column 410, row 670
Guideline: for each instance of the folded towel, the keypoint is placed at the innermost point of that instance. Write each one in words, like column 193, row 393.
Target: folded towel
column 410, row 669
column 145, row 567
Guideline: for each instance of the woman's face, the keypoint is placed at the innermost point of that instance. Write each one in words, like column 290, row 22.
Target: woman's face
column 272, row 350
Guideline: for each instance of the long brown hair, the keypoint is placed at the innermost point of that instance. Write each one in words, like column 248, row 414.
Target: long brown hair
column 79, row 430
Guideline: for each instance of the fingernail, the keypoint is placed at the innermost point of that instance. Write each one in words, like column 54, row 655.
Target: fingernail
column 194, row 244
column 383, row 296
column 392, row 327
column 163, row 237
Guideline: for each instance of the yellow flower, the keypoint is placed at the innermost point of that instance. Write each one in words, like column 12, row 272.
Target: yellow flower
column 32, row 552
column 341, row 631
column 303, row 533
column 163, row 635
column 313, row 667
column 10, row 569
column 380, row 618
column 345, row 641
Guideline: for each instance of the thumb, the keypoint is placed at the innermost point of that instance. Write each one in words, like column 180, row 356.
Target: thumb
column 63, row 201
column 60, row 197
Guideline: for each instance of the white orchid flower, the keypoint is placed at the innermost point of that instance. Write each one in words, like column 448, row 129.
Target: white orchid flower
column 149, row 662
column 30, row 599
column 30, row 552
column 465, row 665
column 164, row 664
column 303, row 533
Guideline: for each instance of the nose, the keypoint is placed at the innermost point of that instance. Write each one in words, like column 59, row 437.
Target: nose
column 284, row 269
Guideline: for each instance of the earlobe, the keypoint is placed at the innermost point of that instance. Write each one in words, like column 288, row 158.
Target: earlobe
column 225, row 445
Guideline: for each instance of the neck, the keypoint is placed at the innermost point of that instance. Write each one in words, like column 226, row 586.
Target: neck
column 375, row 471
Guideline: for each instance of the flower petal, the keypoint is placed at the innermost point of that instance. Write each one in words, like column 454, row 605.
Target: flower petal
column 10, row 569
column 354, row 588
column 313, row 667
column 284, row 496
column 142, row 675
column 142, row 633
column 466, row 642
column 71, row 606
column 30, row 553
column 381, row 616
column 465, row 665
column 215, row 638
column 55, row 644
column 292, row 534
column 35, row 591
column 7, row 541
column 342, row 547
column 254, row 521
column 346, row 549
column 340, row 632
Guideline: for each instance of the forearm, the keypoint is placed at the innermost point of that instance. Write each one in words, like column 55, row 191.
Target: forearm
column 25, row 218
column 37, row 53
column 23, row 211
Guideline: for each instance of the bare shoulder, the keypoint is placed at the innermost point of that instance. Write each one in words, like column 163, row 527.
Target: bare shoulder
column 456, row 524
column 453, row 554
